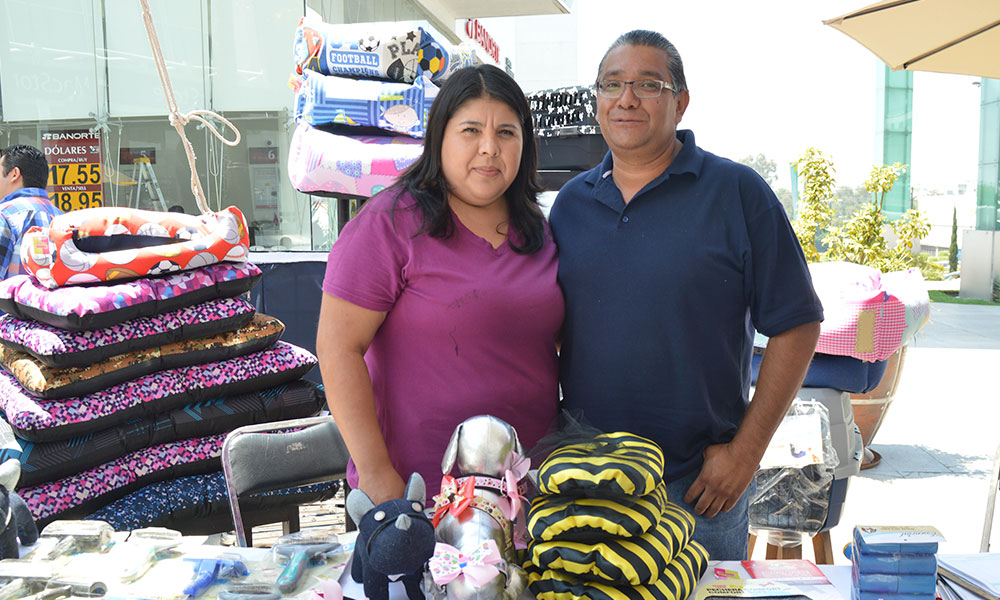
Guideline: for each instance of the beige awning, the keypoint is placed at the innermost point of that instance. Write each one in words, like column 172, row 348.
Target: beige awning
column 943, row 36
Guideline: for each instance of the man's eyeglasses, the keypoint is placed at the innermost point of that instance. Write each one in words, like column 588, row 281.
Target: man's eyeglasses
column 642, row 88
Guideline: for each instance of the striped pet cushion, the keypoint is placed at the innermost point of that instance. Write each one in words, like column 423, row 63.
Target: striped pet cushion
column 614, row 464
column 677, row 581
column 633, row 561
column 575, row 518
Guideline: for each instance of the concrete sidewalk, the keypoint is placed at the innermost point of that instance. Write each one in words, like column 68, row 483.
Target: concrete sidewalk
column 938, row 438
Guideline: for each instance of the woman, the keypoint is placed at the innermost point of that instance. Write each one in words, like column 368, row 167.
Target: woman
column 440, row 299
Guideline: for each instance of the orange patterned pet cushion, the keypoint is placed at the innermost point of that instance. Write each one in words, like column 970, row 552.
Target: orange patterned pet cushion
column 106, row 244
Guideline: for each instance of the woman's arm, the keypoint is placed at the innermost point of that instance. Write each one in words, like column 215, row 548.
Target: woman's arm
column 345, row 332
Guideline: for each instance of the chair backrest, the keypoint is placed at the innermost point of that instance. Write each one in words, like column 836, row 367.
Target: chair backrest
column 991, row 502
column 280, row 455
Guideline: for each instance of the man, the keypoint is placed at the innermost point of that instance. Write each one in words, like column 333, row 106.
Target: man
column 25, row 202
column 669, row 257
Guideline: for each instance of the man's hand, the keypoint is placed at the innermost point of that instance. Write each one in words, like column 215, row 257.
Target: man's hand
column 725, row 475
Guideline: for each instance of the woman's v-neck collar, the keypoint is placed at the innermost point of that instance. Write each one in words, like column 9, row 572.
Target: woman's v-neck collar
column 472, row 238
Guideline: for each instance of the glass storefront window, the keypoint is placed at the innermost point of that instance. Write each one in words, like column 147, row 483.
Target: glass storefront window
column 92, row 71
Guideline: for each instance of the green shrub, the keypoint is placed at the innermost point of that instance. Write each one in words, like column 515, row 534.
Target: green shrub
column 931, row 270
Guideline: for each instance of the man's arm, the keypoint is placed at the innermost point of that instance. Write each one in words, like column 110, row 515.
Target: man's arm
column 729, row 468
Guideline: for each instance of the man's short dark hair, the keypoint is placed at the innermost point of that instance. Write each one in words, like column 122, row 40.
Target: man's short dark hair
column 652, row 39
column 31, row 161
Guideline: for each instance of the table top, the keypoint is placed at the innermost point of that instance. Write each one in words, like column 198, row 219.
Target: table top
column 339, row 567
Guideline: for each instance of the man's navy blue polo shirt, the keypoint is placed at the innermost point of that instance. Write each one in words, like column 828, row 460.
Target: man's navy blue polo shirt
column 663, row 295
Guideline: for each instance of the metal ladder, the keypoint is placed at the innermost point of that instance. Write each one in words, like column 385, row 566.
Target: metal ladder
column 143, row 174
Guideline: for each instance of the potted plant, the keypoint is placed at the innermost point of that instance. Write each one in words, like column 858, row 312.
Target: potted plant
column 863, row 238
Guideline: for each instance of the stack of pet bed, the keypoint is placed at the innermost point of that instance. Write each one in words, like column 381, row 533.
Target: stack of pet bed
column 603, row 527
column 119, row 388
column 565, row 119
column 361, row 105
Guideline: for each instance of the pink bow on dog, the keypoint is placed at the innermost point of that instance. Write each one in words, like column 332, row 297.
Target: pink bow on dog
column 515, row 468
column 448, row 563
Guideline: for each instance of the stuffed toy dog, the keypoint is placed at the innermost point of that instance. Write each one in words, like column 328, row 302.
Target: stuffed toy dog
column 481, row 506
column 14, row 512
column 394, row 538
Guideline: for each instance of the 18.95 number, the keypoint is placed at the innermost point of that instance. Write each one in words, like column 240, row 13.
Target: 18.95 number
column 64, row 201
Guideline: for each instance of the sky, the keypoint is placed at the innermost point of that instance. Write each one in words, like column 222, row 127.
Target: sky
column 768, row 77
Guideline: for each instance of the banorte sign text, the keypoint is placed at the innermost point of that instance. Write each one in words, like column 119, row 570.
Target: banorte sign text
column 477, row 32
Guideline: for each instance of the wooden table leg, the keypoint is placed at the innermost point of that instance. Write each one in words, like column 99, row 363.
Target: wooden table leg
column 823, row 548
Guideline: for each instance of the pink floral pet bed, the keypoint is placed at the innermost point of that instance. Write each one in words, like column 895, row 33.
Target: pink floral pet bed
column 82, row 308
column 106, row 244
column 60, row 348
column 354, row 165
column 40, row 420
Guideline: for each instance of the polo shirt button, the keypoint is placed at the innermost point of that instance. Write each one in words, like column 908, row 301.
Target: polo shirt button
column 625, row 219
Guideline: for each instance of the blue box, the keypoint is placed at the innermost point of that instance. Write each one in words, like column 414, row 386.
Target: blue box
column 893, row 564
column 897, row 584
column 857, row 594
column 896, row 540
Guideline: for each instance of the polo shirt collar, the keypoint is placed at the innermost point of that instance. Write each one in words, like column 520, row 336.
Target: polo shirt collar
column 689, row 160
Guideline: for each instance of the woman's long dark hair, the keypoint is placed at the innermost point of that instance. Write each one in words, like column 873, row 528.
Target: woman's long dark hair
column 425, row 178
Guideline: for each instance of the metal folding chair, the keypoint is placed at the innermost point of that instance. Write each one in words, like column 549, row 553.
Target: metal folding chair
column 280, row 455
column 991, row 501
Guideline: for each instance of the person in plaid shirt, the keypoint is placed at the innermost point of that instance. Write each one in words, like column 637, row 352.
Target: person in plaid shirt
column 25, row 202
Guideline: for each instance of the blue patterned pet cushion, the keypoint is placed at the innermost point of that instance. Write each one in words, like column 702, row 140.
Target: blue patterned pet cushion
column 175, row 503
column 49, row 461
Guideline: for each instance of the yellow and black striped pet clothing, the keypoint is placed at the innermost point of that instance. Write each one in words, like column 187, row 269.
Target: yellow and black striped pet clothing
column 634, row 561
column 613, row 465
column 591, row 519
column 676, row 582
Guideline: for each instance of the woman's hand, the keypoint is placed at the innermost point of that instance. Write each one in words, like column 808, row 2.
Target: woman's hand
column 382, row 484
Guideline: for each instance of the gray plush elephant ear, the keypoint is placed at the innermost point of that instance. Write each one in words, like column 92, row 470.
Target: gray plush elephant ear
column 358, row 505
column 10, row 472
column 416, row 489
column 451, row 452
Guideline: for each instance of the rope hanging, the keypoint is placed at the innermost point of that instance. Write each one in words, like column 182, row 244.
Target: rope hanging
column 179, row 120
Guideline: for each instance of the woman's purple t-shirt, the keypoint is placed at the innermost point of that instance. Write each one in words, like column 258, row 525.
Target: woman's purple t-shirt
column 470, row 330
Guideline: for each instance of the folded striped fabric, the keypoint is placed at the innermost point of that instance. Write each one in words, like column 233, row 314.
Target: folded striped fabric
column 677, row 581
column 592, row 519
column 633, row 561
column 613, row 465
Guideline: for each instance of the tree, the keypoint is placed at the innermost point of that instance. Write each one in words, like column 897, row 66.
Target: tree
column 861, row 238
column 953, row 249
column 764, row 166
column 850, row 200
column 814, row 213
